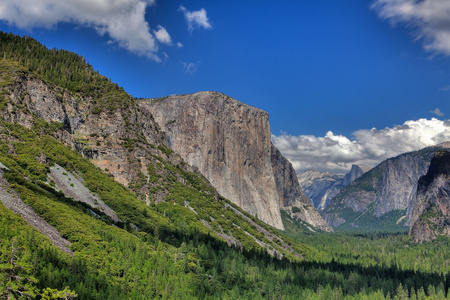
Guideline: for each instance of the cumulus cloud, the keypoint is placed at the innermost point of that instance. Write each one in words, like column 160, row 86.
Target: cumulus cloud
column 429, row 18
column 336, row 153
column 196, row 19
column 162, row 35
column 123, row 20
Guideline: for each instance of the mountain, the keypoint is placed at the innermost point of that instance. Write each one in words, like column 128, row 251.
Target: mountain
column 73, row 108
column 431, row 213
column 382, row 198
column 230, row 143
column 321, row 187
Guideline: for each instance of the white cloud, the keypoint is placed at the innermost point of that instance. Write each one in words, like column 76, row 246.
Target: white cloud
column 190, row 68
column 445, row 88
column 437, row 112
column 179, row 45
column 162, row 35
column 123, row 20
column 430, row 19
column 196, row 19
column 336, row 153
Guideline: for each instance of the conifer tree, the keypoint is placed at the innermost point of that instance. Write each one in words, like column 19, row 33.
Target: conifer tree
column 16, row 281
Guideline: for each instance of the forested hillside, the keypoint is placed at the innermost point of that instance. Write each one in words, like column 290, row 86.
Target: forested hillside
column 190, row 243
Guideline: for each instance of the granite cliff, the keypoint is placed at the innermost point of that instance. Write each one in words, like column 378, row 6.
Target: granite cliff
column 321, row 187
column 382, row 198
column 229, row 142
column 431, row 213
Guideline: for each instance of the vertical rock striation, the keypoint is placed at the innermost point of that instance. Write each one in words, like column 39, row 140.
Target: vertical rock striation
column 290, row 194
column 229, row 142
column 431, row 213
column 288, row 188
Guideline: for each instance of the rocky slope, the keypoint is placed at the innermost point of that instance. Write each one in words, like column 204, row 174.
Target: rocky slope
column 98, row 136
column 431, row 213
column 383, row 195
column 321, row 187
column 229, row 142
column 10, row 199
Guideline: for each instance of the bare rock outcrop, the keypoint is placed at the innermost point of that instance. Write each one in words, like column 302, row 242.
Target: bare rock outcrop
column 431, row 213
column 72, row 186
column 230, row 143
column 116, row 141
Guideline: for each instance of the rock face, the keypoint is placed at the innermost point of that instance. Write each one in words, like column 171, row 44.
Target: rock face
column 290, row 194
column 230, row 143
column 288, row 188
column 389, row 187
column 321, row 187
column 431, row 213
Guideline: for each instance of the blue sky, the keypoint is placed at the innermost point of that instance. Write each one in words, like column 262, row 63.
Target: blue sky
column 317, row 66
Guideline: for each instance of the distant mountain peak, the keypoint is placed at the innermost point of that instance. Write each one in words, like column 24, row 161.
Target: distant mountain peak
column 355, row 172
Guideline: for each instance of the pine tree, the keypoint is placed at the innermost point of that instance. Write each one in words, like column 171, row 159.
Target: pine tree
column 401, row 294
column 65, row 294
column 16, row 280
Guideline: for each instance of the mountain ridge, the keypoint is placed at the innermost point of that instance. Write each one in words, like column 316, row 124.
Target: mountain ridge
column 386, row 190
